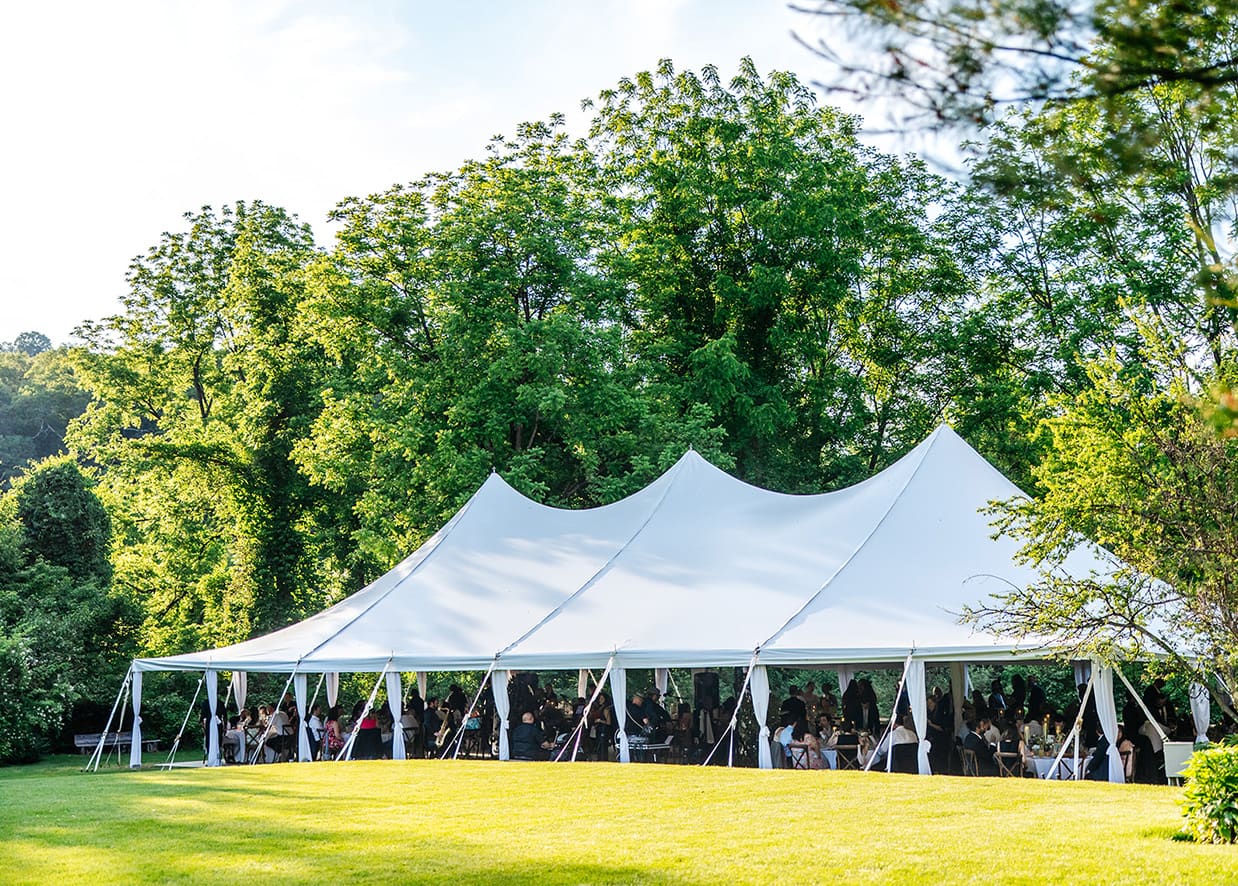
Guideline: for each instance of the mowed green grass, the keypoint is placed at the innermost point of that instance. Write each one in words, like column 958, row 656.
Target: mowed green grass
column 542, row 823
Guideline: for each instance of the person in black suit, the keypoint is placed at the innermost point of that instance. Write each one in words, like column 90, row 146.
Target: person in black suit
column 526, row 741
column 975, row 742
column 794, row 706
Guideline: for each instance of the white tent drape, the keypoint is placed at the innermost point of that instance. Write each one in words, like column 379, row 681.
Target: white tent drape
column 661, row 678
column 1083, row 671
column 1201, row 711
column 846, row 673
column 395, row 701
column 759, row 684
column 619, row 693
column 299, row 693
column 968, row 688
column 333, row 689
column 958, row 689
column 212, row 699
column 582, row 683
column 135, row 750
column 240, row 688
column 917, row 694
column 502, row 707
column 423, row 684
column 1106, row 710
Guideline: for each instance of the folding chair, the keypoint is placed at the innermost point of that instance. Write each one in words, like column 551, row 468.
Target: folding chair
column 848, row 756
column 1009, row 764
column 971, row 764
column 798, row 755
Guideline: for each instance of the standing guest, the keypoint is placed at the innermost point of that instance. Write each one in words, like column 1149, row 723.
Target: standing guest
column 655, row 715
column 332, row 733
column 794, row 706
column 1018, row 691
column 810, row 698
column 635, row 721
column 870, row 714
column 829, row 704
column 416, row 704
column 997, row 699
column 601, row 723
column 456, row 700
column 431, row 724
column 1035, row 699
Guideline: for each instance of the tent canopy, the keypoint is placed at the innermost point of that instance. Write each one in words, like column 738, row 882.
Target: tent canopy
column 697, row 569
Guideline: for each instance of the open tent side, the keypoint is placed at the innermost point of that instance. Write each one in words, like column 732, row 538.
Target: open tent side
column 698, row 569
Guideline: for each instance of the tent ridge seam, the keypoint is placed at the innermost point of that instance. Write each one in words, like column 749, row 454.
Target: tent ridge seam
column 876, row 526
column 593, row 579
column 449, row 529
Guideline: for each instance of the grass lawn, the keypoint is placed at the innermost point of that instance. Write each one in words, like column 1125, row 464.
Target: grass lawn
column 542, row 823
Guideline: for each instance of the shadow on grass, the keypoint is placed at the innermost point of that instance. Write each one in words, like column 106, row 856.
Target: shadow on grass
column 189, row 831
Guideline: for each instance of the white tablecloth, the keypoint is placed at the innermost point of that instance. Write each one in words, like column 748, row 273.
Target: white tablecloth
column 1045, row 768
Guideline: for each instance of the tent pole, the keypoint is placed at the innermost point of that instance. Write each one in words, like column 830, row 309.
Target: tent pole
column 1074, row 730
column 481, row 687
column 97, row 753
column 167, row 764
column 1143, row 707
column 898, row 693
column 321, row 677
column 743, row 690
column 124, row 706
column 262, row 740
column 346, row 751
column 578, row 732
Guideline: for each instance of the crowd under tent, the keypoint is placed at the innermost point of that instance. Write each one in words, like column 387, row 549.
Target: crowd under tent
column 696, row 570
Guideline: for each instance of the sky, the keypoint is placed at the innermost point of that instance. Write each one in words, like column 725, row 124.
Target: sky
column 120, row 117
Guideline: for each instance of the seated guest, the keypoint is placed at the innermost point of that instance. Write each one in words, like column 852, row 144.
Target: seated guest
column 977, row 744
column 273, row 743
column 233, row 746
column 1012, row 743
column 527, row 741
column 315, row 728
column 782, row 739
column 905, row 732
column 992, row 733
column 800, row 735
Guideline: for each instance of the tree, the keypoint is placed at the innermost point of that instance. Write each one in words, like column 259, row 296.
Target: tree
column 201, row 387
column 475, row 329
column 65, row 636
column 29, row 343
column 782, row 275
column 63, row 522
column 39, row 396
column 964, row 61
column 1133, row 468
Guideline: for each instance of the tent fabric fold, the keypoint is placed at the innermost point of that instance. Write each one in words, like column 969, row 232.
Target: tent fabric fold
column 698, row 569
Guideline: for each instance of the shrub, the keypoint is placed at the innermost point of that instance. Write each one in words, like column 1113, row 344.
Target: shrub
column 1210, row 801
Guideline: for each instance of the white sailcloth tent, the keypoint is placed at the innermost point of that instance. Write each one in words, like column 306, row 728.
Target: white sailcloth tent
column 696, row 570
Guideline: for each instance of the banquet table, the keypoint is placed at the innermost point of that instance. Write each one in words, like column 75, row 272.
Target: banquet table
column 1045, row 769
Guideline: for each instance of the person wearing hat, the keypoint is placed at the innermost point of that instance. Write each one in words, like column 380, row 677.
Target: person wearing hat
column 635, row 722
column 655, row 716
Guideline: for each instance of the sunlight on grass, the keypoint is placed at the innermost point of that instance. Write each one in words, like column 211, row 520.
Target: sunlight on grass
column 484, row 822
